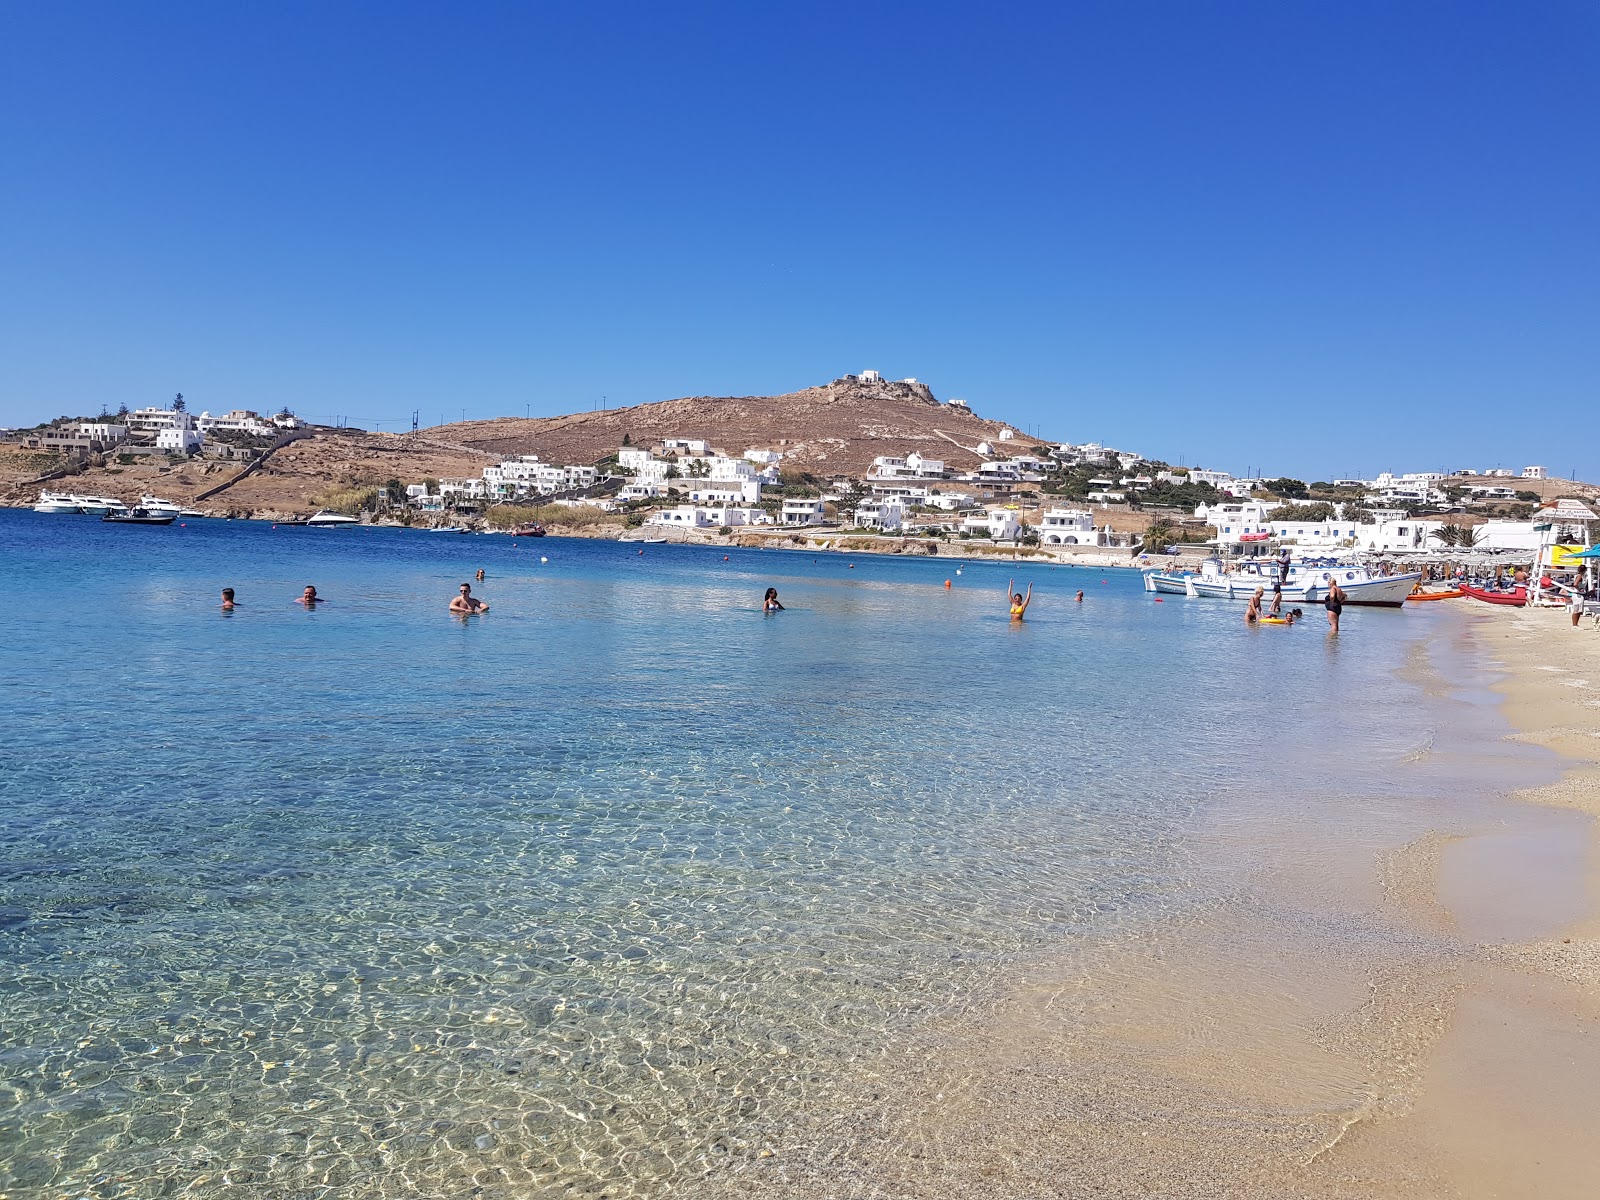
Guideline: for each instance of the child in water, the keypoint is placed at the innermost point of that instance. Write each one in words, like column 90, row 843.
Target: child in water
column 1019, row 602
column 769, row 602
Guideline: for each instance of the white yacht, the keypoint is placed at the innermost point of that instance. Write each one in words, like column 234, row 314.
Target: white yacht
column 1307, row 582
column 156, row 506
column 326, row 519
column 100, row 506
column 56, row 502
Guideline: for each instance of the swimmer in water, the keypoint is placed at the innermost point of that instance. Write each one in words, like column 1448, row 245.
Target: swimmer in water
column 309, row 597
column 466, row 602
column 480, row 575
column 1080, row 595
column 227, row 599
column 769, row 602
column 1019, row 602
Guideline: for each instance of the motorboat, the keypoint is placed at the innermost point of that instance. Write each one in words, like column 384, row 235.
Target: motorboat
column 533, row 529
column 1452, row 594
column 326, row 520
column 155, row 504
column 1517, row 597
column 140, row 516
column 55, row 502
column 190, row 512
column 447, row 529
column 1306, row 582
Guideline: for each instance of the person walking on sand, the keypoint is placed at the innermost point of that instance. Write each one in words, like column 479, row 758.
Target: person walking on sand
column 1334, row 604
column 466, row 602
column 1019, row 602
column 1252, row 611
column 769, row 602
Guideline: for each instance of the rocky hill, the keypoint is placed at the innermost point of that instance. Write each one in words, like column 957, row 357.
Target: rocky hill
column 839, row 427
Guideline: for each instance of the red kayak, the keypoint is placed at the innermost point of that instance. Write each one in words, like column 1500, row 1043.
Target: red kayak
column 1516, row 598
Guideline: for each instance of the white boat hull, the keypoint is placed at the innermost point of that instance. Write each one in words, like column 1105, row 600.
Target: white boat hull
column 1388, row 591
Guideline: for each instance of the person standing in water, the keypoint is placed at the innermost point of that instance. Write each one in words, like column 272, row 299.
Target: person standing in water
column 1080, row 595
column 1019, row 602
column 769, row 602
column 1252, row 611
column 466, row 602
column 309, row 597
column 1334, row 604
column 227, row 599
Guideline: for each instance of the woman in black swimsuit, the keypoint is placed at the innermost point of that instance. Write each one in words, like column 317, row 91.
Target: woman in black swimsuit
column 1334, row 604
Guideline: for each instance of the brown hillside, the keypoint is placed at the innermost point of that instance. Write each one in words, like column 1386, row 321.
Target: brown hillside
column 839, row 427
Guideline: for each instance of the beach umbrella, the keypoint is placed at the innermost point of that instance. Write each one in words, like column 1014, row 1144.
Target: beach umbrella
column 1591, row 552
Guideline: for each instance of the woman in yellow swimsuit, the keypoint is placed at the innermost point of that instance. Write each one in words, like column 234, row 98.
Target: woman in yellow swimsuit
column 1019, row 602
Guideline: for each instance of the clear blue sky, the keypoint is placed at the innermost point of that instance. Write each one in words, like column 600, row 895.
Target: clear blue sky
column 1310, row 238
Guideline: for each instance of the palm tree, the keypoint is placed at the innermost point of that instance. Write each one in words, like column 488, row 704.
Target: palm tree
column 1158, row 535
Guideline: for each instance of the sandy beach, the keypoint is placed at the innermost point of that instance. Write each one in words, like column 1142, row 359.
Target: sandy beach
column 1412, row 1020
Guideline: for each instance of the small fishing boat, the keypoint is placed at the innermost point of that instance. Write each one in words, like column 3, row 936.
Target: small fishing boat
column 1416, row 597
column 140, row 516
column 1308, row 582
column 1516, row 598
column 655, row 541
column 533, row 529
column 447, row 529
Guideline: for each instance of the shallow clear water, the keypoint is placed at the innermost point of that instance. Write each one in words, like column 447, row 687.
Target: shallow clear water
column 596, row 891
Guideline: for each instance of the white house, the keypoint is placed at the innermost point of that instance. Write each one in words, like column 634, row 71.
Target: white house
column 804, row 511
column 464, row 489
column 1533, row 473
column 1315, row 535
column 635, row 490
column 154, row 420
column 870, row 377
column 527, row 473
column 885, row 513
column 715, row 491
column 1404, row 533
column 764, row 458
column 694, row 447
column 1001, row 524
column 1235, row 518
column 1069, row 527
column 240, row 420
column 912, row 466
column 178, row 439
column 684, row 516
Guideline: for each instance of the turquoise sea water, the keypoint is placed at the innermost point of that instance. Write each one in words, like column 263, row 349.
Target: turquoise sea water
column 597, row 893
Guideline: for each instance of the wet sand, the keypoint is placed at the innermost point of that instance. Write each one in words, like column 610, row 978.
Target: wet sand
column 1411, row 1014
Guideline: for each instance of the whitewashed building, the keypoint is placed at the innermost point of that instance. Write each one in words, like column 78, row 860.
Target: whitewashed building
column 887, row 512
column 1000, row 524
column 804, row 511
column 1069, row 527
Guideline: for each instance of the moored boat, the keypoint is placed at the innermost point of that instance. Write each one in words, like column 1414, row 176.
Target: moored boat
column 1515, row 598
column 140, row 516
column 1307, row 582
column 156, row 506
column 533, row 529
column 56, row 502
column 326, row 520
column 1417, row 597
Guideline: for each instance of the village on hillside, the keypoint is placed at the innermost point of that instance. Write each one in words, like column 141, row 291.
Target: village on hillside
column 995, row 487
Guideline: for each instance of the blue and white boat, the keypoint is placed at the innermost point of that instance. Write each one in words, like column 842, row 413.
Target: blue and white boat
column 1307, row 582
